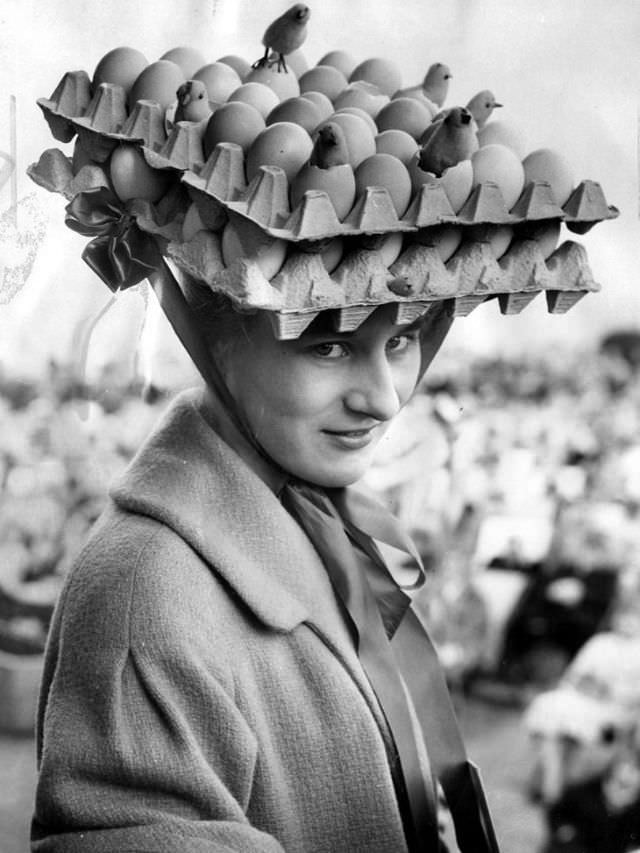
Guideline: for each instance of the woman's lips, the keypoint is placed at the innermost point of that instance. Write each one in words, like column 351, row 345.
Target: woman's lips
column 353, row 439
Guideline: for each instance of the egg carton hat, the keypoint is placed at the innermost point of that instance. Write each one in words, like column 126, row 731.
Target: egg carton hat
column 169, row 199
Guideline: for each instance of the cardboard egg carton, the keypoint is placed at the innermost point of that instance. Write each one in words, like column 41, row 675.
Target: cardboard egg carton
column 413, row 282
column 265, row 202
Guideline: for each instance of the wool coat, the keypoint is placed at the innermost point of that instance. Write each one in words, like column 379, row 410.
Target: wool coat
column 201, row 689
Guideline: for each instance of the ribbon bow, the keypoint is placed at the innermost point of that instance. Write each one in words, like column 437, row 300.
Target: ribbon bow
column 120, row 253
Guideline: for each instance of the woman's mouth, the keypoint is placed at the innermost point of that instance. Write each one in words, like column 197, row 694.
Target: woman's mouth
column 352, row 439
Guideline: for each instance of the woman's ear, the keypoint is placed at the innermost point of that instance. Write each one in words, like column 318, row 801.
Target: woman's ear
column 434, row 330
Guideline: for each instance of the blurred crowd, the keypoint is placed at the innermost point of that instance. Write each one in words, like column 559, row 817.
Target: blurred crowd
column 520, row 480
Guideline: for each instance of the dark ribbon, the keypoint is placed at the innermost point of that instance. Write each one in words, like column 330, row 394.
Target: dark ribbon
column 120, row 253
column 396, row 653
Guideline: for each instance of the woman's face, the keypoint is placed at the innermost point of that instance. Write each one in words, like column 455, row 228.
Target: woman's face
column 320, row 404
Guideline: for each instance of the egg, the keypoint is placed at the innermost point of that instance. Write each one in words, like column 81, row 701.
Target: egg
column 389, row 247
column 360, row 140
column 382, row 73
column 338, row 182
column 500, row 165
column 122, row 66
column 188, row 58
column 131, row 176
column 397, row 142
column 332, row 253
column 158, row 82
column 444, row 238
column 257, row 95
column 298, row 110
column 340, row 59
column 245, row 240
column 385, row 170
column 220, row 79
column 239, row 64
column 546, row 233
column 192, row 223
column 406, row 114
column 283, row 144
column 502, row 133
column 457, row 181
column 325, row 79
column 321, row 101
column 234, row 121
column 356, row 111
column 499, row 237
column 284, row 85
column 545, row 164
column 363, row 95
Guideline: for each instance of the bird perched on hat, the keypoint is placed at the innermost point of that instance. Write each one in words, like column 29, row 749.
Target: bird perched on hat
column 448, row 142
column 193, row 102
column 330, row 147
column 434, row 87
column 284, row 35
column 481, row 106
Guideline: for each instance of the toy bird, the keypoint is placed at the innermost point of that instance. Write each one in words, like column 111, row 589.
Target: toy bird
column 481, row 106
column 330, row 147
column 450, row 141
column 436, row 83
column 284, row 35
column 193, row 102
column 433, row 88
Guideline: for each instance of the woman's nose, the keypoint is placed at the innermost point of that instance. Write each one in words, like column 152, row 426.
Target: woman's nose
column 374, row 392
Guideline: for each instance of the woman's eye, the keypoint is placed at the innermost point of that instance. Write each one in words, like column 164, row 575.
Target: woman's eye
column 330, row 349
column 400, row 343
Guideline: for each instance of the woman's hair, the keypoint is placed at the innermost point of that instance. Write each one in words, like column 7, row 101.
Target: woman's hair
column 222, row 322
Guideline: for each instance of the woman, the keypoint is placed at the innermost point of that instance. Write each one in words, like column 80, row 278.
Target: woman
column 212, row 678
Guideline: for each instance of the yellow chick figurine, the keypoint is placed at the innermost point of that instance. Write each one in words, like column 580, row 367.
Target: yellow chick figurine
column 284, row 35
column 193, row 102
column 330, row 147
column 448, row 142
column 434, row 87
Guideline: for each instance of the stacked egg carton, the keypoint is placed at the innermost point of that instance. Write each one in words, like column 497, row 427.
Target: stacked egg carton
column 385, row 257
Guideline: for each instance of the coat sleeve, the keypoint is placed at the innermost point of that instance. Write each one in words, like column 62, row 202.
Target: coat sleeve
column 141, row 745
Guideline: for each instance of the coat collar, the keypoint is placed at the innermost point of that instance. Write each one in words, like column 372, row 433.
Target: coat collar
column 186, row 477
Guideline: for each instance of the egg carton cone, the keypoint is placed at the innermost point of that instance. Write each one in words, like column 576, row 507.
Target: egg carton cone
column 182, row 149
column 524, row 268
column 70, row 98
column 54, row 172
column 266, row 199
column 430, row 206
column 587, row 206
column 364, row 279
column 145, row 124
column 374, row 213
column 98, row 129
column 571, row 277
column 201, row 257
column 420, row 274
column 537, row 202
column 478, row 277
column 245, row 284
column 289, row 325
column 314, row 218
column 304, row 284
column 409, row 312
column 486, row 205
column 220, row 178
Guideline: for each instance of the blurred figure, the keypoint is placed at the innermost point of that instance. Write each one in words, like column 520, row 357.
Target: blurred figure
column 600, row 815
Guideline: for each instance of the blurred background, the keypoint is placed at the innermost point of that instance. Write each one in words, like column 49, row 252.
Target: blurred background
column 517, row 467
